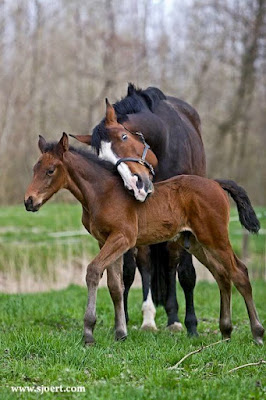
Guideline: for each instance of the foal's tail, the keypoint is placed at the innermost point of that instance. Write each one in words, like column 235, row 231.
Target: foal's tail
column 247, row 215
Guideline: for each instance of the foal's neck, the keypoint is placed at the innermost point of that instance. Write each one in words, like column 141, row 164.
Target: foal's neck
column 86, row 178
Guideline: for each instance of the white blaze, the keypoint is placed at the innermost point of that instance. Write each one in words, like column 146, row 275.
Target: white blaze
column 130, row 180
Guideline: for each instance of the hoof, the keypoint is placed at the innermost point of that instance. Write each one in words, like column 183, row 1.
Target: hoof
column 120, row 336
column 89, row 340
column 258, row 333
column 175, row 327
column 193, row 333
column 226, row 337
column 259, row 341
column 149, row 327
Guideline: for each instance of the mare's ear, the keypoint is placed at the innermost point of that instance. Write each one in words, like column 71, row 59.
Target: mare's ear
column 131, row 89
column 41, row 143
column 110, row 116
column 62, row 145
column 82, row 138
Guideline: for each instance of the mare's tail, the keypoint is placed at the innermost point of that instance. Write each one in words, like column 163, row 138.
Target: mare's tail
column 159, row 261
column 247, row 215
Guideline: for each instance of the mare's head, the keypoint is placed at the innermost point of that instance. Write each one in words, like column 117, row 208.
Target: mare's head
column 49, row 173
column 127, row 150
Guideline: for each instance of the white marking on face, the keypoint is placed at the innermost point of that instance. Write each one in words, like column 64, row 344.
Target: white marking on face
column 129, row 179
column 106, row 152
column 149, row 312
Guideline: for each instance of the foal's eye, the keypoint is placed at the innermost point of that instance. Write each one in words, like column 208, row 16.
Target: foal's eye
column 124, row 137
column 50, row 171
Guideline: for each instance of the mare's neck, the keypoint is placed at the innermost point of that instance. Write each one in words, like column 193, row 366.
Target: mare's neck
column 152, row 128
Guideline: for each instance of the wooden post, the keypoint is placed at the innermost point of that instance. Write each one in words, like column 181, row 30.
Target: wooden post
column 245, row 245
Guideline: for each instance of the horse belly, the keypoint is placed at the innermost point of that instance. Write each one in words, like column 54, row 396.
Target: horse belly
column 155, row 232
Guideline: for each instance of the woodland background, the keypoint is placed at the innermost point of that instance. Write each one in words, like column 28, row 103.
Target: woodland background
column 61, row 58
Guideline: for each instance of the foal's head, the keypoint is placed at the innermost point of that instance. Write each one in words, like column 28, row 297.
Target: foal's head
column 127, row 150
column 49, row 174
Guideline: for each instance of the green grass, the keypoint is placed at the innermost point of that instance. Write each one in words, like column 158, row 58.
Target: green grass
column 27, row 241
column 41, row 344
column 257, row 243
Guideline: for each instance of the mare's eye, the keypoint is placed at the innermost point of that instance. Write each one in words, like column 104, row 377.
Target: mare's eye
column 50, row 171
column 124, row 137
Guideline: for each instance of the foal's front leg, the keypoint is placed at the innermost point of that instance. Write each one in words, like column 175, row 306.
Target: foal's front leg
column 115, row 246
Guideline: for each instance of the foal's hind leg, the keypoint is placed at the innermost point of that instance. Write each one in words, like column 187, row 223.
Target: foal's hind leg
column 115, row 285
column 217, row 267
column 238, row 273
column 148, row 309
column 241, row 281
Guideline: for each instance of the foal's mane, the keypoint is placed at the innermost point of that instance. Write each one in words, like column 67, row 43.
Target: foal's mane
column 136, row 100
column 85, row 154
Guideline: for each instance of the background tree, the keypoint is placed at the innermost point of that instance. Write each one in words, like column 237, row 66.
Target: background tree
column 61, row 58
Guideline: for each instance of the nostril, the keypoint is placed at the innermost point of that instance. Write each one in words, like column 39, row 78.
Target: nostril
column 139, row 182
column 29, row 202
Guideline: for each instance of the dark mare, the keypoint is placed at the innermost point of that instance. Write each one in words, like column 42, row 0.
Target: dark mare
column 171, row 128
column 119, row 223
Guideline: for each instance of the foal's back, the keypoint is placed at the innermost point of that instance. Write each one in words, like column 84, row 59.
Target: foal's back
column 184, row 202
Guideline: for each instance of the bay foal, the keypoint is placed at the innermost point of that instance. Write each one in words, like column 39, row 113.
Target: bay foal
column 180, row 204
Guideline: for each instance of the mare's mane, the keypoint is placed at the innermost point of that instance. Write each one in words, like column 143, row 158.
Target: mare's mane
column 136, row 101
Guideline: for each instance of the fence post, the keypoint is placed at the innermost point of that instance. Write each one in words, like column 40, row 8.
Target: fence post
column 245, row 245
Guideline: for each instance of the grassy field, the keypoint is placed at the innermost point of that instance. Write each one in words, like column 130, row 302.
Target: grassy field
column 37, row 239
column 41, row 242
column 41, row 345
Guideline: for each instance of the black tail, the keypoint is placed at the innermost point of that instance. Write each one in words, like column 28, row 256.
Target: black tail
column 247, row 215
column 159, row 261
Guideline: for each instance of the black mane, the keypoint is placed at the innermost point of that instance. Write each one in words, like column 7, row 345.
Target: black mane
column 88, row 155
column 136, row 100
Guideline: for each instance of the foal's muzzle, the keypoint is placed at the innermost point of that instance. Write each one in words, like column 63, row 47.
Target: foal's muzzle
column 30, row 206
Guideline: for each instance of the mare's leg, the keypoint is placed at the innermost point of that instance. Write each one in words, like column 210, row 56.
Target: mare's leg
column 129, row 269
column 115, row 285
column 241, row 281
column 148, row 309
column 171, row 305
column 164, row 281
column 115, row 246
column 187, row 279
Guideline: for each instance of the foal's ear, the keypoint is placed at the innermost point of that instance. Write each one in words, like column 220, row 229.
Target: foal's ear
column 110, row 116
column 82, row 138
column 42, row 143
column 62, row 145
